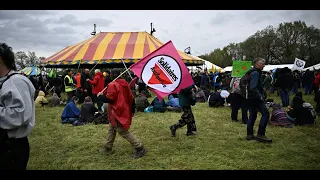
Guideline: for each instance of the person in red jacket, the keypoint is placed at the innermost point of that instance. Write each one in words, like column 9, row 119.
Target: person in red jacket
column 97, row 86
column 121, row 108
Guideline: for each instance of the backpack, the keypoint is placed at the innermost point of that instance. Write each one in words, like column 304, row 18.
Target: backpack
column 245, row 85
column 3, row 132
column 312, row 112
column 236, row 86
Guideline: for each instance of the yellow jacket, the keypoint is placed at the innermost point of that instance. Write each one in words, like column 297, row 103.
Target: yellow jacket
column 41, row 100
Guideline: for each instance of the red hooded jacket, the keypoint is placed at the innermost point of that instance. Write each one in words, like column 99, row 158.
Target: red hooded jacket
column 317, row 80
column 97, row 83
column 121, row 108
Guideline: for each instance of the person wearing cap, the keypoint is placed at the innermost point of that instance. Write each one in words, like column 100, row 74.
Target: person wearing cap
column 121, row 108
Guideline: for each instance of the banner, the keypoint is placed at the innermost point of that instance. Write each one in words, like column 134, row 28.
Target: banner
column 298, row 64
column 163, row 70
column 239, row 68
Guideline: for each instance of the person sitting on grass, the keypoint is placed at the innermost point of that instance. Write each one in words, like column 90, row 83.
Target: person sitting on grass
column 279, row 117
column 173, row 104
column 71, row 112
column 41, row 100
column 88, row 110
column 158, row 106
column 54, row 101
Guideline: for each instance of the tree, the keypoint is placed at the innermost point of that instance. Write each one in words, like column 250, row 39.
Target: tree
column 21, row 59
column 276, row 45
column 33, row 60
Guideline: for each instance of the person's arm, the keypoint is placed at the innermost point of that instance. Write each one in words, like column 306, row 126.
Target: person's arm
column 18, row 107
column 95, row 80
column 254, row 77
column 104, row 99
column 110, row 96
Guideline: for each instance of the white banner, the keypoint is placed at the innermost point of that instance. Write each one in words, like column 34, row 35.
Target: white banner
column 298, row 64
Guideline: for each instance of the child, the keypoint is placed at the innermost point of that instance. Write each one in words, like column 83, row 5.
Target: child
column 279, row 117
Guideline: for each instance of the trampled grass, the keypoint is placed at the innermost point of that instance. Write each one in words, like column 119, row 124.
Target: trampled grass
column 219, row 144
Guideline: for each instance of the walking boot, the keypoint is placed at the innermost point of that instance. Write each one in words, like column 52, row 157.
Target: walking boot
column 250, row 137
column 173, row 130
column 140, row 152
column 263, row 139
column 106, row 151
column 189, row 130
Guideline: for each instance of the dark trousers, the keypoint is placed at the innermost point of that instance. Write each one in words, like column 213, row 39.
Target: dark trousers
column 318, row 108
column 187, row 118
column 284, row 95
column 14, row 154
column 95, row 99
column 295, row 89
column 238, row 102
column 254, row 108
column 308, row 88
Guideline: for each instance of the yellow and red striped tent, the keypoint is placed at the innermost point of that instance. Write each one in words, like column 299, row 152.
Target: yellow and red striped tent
column 108, row 48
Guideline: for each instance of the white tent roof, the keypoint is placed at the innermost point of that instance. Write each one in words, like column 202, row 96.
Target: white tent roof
column 317, row 66
column 267, row 67
column 272, row 67
column 207, row 64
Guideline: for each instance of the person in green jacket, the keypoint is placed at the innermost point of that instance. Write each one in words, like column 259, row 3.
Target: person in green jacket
column 186, row 100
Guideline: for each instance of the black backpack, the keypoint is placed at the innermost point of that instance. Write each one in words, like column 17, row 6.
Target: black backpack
column 3, row 132
column 245, row 85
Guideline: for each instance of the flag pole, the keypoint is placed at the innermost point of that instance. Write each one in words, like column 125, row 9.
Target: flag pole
column 94, row 66
column 117, row 78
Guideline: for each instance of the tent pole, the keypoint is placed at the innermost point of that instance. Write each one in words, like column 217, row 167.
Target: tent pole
column 126, row 69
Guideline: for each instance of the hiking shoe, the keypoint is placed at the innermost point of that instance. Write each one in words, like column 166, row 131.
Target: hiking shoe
column 140, row 152
column 190, row 133
column 106, row 151
column 250, row 137
column 263, row 139
column 173, row 131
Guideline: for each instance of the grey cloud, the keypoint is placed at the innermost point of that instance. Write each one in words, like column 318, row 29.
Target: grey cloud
column 74, row 21
column 63, row 30
column 221, row 19
column 19, row 14
column 28, row 23
column 261, row 18
column 38, row 37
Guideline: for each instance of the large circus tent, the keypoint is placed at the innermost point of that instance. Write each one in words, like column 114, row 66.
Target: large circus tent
column 110, row 50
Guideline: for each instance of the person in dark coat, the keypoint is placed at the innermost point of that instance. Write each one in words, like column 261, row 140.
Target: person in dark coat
column 88, row 110
column 284, row 83
column 85, row 85
column 142, row 102
column 186, row 100
column 308, row 77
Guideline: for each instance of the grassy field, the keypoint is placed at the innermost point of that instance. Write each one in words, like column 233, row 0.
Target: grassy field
column 219, row 144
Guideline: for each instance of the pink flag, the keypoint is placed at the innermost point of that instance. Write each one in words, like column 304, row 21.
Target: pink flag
column 133, row 82
column 163, row 70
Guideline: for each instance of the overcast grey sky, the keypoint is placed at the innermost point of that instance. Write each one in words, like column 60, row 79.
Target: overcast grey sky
column 47, row 32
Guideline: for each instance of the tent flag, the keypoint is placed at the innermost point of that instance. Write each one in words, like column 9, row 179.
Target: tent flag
column 298, row 64
column 239, row 68
column 164, row 71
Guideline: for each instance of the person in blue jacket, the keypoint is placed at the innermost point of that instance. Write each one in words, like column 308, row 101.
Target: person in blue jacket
column 71, row 112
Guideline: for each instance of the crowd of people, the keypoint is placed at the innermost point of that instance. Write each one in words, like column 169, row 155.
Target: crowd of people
column 113, row 98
